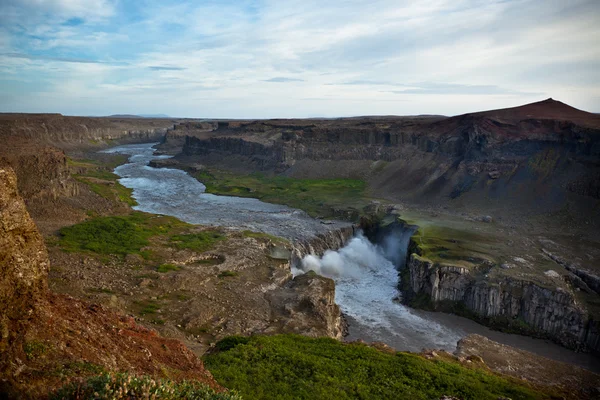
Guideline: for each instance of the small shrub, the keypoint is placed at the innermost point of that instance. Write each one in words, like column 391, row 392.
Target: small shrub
column 126, row 387
column 34, row 349
column 163, row 268
column 199, row 242
column 227, row 273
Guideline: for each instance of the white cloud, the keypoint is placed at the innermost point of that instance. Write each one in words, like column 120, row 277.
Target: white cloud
column 302, row 58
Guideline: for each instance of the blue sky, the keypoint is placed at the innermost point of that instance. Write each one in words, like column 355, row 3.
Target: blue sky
column 296, row 58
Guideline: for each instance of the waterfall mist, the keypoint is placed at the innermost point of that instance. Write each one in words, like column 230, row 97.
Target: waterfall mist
column 366, row 277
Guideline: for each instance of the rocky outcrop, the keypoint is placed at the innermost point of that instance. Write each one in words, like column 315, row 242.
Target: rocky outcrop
column 552, row 312
column 319, row 244
column 306, row 305
column 23, row 261
column 43, row 173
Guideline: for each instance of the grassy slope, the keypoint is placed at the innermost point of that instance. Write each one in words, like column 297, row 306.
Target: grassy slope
column 297, row 367
column 98, row 176
column 318, row 197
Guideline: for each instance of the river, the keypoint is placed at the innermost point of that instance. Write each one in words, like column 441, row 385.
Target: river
column 366, row 281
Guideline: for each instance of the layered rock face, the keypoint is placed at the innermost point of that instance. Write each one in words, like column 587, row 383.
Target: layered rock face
column 23, row 261
column 539, row 153
column 552, row 312
column 43, row 173
column 80, row 132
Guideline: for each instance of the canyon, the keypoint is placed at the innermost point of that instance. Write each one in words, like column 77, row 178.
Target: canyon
column 503, row 209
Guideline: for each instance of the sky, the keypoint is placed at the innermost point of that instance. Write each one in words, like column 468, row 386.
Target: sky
column 296, row 58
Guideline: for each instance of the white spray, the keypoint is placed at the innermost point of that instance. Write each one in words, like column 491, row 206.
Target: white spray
column 366, row 286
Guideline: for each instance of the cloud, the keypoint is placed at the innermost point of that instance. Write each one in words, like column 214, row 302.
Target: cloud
column 456, row 88
column 165, row 68
column 50, row 58
column 336, row 58
column 64, row 9
column 281, row 79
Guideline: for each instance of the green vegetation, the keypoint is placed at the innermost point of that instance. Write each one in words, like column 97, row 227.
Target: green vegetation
column 78, row 368
column 451, row 246
column 34, row 349
column 318, row 197
column 163, row 268
column 297, row 367
column 199, row 242
column 124, row 386
column 98, row 176
column 227, row 273
column 148, row 307
column 112, row 190
column 119, row 235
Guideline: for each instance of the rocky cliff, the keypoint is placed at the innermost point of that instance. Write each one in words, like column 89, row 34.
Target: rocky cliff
column 540, row 156
column 23, row 262
column 319, row 244
column 306, row 305
column 34, row 146
column 80, row 132
column 522, row 304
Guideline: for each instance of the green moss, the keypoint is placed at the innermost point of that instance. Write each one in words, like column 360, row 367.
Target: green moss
column 148, row 307
column 199, row 242
column 34, row 349
column 124, row 386
column 99, row 178
column 451, row 246
column 163, row 268
column 118, row 235
column 318, row 197
column 297, row 367
column 227, row 274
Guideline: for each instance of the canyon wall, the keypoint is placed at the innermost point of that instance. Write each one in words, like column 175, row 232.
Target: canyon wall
column 23, row 262
column 551, row 312
column 79, row 132
column 540, row 156
column 34, row 146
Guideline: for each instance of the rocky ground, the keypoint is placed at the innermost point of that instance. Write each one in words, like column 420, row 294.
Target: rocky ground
column 521, row 364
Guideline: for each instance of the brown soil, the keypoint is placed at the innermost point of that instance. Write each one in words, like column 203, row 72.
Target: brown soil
column 69, row 338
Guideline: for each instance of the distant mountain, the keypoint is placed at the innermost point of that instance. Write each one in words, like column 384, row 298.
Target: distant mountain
column 154, row 116
column 139, row 116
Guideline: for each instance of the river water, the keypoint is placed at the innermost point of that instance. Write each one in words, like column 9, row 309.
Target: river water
column 366, row 281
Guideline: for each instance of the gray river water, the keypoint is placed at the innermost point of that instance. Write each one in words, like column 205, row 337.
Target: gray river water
column 366, row 281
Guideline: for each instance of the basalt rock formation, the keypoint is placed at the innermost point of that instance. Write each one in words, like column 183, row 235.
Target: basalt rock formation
column 552, row 312
column 539, row 156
